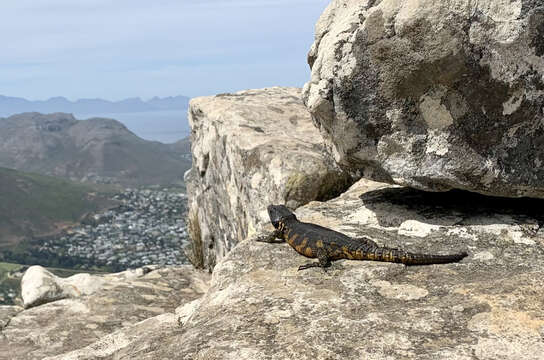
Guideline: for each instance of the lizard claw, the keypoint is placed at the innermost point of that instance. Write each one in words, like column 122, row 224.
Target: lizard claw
column 307, row 266
column 261, row 239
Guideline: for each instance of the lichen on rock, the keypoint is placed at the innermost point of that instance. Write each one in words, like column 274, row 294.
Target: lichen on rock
column 433, row 94
column 251, row 149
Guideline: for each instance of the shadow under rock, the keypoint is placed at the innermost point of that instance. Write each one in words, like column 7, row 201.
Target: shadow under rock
column 467, row 207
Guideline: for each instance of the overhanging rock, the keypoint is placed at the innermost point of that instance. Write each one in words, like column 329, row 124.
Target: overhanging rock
column 250, row 149
column 433, row 94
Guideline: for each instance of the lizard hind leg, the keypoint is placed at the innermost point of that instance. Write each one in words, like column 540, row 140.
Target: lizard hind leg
column 324, row 262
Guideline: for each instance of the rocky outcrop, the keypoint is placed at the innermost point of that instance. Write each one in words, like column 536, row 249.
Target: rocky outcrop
column 94, row 306
column 250, row 149
column 39, row 286
column 489, row 306
column 433, row 94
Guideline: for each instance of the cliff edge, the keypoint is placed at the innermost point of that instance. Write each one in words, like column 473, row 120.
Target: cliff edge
column 259, row 306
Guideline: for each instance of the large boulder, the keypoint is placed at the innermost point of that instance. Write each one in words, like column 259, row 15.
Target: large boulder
column 250, row 149
column 433, row 94
column 95, row 307
column 40, row 286
column 486, row 307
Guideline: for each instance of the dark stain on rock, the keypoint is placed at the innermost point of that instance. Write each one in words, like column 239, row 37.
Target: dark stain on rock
column 476, row 309
column 483, row 125
column 535, row 80
column 360, row 96
column 256, row 128
column 205, row 163
column 292, row 99
column 293, row 120
column 529, row 5
column 252, row 159
column 521, row 158
column 275, row 109
column 536, row 24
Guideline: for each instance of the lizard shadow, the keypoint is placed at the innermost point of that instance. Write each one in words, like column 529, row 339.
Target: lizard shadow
column 455, row 207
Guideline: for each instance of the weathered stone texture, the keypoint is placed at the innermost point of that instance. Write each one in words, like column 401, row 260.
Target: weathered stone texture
column 433, row 94
column 250, row 149
column 40, row 286
column 6, row 313
column 91, row 312
column 124, row 340
column 489, row 306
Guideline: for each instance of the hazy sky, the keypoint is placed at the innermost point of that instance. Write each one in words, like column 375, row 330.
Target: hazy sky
column 115, row 49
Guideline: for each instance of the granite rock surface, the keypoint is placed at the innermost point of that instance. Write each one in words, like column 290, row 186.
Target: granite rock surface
column 251, row 149
column 116, row 301
column 433, row 94
column 40, row 286
column 488, row 306
column 7, row 312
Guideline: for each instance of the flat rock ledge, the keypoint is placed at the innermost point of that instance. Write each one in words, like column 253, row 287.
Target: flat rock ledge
column 251, row 149
column 489, row 306
column 97, row 306
column 433, row 94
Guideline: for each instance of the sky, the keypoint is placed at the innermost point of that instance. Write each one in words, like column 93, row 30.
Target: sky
column 115, row 49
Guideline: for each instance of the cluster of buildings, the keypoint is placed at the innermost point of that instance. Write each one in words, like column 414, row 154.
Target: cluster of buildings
column 7, row 296
column 148, row 227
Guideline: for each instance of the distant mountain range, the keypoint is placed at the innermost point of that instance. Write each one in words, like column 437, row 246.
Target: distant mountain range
column 14, row 105
column 95, row 150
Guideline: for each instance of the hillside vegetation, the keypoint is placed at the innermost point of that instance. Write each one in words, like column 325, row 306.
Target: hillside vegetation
column 36, row 205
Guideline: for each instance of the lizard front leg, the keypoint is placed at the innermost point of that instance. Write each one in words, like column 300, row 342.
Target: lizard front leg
column 324, row 261
column 272, row 238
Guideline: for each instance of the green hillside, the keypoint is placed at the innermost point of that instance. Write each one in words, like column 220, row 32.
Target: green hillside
column 37, row 205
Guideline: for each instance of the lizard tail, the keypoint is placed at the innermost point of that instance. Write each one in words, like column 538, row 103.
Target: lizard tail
column 408, row 258
column 424, row 259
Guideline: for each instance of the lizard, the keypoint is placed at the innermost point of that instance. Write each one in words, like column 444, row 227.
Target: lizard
column 315, row 241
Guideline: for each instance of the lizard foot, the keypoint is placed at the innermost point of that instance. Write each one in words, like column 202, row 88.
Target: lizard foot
column 311, row 265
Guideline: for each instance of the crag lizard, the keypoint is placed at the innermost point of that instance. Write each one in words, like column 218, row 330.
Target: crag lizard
column 327, row 245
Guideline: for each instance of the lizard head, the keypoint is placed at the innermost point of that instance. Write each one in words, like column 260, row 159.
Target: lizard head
column 278, row 214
